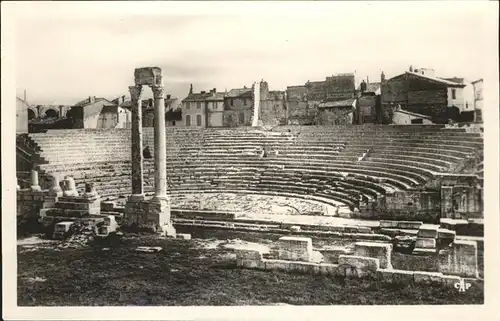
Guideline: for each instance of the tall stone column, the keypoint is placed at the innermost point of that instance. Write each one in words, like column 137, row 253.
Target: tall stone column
column 160, row 147
column 137, row 166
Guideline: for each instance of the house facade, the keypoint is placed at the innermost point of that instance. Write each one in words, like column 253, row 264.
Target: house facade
column 367, row 103
column 203, row 109
column 422, row 93
column 238, row 107
column 97, row 113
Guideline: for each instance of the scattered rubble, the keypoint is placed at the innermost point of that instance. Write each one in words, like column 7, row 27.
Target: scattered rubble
column 149, row 249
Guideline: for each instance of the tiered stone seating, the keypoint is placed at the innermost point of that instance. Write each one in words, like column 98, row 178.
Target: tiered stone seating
column 322, row 163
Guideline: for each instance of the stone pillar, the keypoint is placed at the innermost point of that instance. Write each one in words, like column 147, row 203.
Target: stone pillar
column 137, row 166
column 55, row 188
column 160, row 147
column 34, row 181
column 70, row 187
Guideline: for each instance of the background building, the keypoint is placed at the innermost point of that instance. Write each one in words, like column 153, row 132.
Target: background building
column 419, row 91
column 203, row 109
column 238, row 107
column 368, row 102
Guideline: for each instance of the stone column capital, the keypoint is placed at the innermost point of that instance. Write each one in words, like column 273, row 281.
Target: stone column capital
column 158, row 92
column 135, row 92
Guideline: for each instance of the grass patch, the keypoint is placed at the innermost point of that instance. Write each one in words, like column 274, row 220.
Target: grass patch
column 185, row 274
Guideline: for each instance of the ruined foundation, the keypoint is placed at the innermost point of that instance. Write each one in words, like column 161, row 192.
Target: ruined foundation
column 370, row 259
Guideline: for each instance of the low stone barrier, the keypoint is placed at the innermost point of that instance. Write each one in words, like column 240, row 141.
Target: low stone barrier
column 456, row 263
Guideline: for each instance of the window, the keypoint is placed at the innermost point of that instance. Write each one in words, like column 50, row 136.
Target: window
column 244, row 101
column 198, row 120
column 453, row 94
column 198, row 105
column 231, row 102
column 188, row 120
column 173, row 122
column 417, row 121
column 187, row 105
column 242, row 118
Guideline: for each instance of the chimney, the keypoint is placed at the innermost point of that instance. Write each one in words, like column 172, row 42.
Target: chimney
column 215, row 90
column 411, row 68
column 123, row 99
column 60, row 111
column 367, row 80
column 382, row 77
column 191, row 89
column 91, row 99
column 25, row 99
column 363, row 86
column 203, row 92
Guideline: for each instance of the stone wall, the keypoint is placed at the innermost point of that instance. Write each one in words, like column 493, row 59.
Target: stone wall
column 335, row 116
column 273, row 112
column 412, row 205
column 236, row 118
column 29, row 203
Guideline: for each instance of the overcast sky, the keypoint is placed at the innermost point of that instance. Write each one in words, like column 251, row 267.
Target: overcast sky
column 66, row 55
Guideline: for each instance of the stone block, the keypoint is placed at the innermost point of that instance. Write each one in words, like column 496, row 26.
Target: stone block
column 422, row 251
column 460, row 258
column 302, row 267
column 167, row 230
column 388, row 224
column 446, row 234
column 450, row 280
column 295, row 248
column 413, row 225
column 427, row 277
column 385, row 275
column 276, row 265
column 328, row 269
column 380, row 251
column 351, row 229
column 425, row 243
column 150, row 76
column 183, row 236
column 428, row 231
column 402, row 277
column 249, row 255
column 332, row 255
column 295, row 228
column 363, row 265
column 364, row 229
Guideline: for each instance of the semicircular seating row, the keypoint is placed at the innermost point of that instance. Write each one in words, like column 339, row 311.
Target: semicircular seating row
column 344, row 164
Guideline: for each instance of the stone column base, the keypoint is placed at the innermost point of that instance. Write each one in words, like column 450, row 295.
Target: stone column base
column 149, row 215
